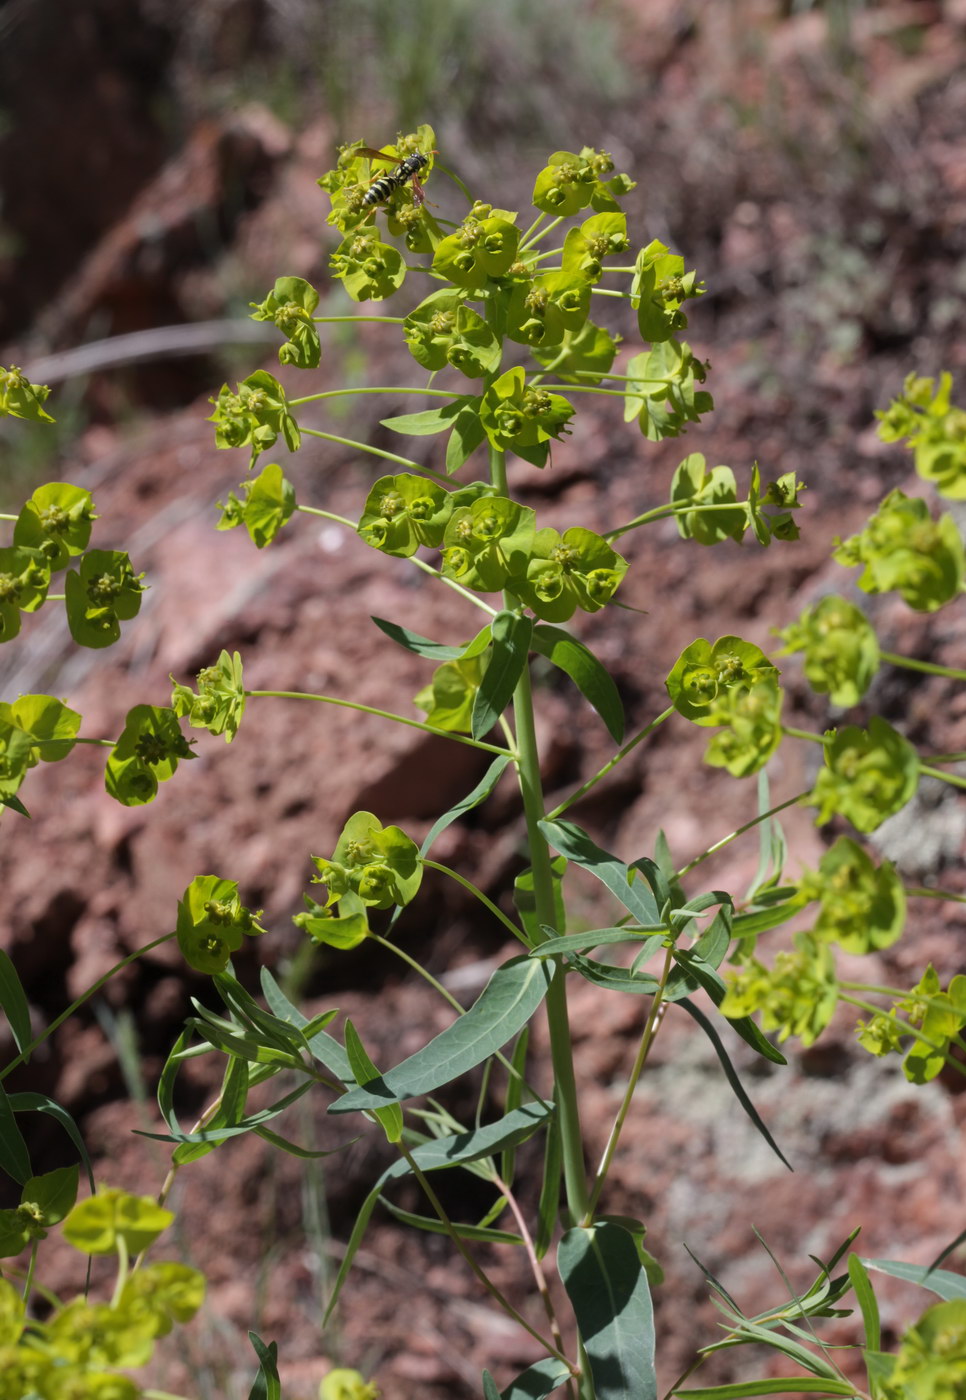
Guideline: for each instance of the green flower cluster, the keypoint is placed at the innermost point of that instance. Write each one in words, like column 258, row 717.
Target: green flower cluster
column 862, row 906
column 212, row 921
column 708, row 509
column 148, row 753
column 730, row 683
column 289, row 305
column 841, row 649
column 934, row 1017
column 256, row 415
column 934, row 431
column 33, row 729
column 902, row 547
column 796, row 997
column 219, row 703
column 82, row 1348
column 52, row 529
column 490, row 542
column 21, row 399
column 266, row 503
column 931, row 1361
column 870, row 774
column 372, row 867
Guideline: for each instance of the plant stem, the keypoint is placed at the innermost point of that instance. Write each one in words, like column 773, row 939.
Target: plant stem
column 647, row 1040
column 740, row 831
column 84, row 996
column 952, row 779
column 807, row 734
column 535, row 1266
column 373, row 389
column 610, row 765
column 382, row 714
column 377, row 452
column 478, row 894
column 924, row 892
column 906, row 1028
column 531, row 790
column 930, row 667
column 353, row 320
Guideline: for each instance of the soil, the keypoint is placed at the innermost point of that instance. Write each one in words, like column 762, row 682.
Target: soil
column 833, row 243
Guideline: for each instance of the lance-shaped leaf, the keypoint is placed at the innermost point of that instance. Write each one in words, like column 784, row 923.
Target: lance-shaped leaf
column 574, row 843
column 267, row 1385
column 536, row 1382
column 588, row 675
column 511, row 635
column 13, row 1002
column 605, row 1280
column 503, row 1008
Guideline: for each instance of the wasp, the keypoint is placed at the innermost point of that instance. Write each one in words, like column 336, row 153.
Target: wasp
column 407, row 169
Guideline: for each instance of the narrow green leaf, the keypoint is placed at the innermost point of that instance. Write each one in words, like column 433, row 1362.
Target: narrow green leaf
column 709, row 981
column 771, row 1338
column 945, row 1252
column 514, row 1096
column 778, row 1385
column 267, row 1384
column 503, row 1008
column 472, row 799
column 548, row 1207
column 614, row 979
column 511, row 633
column 13, row 1002
column 593, row 681
column 14, row 1157
column 292, row 1148
column 490, row 1391
column 574, row 843
column 423, row 646
column 27, row 1101
column 363, row 1071
column 323, row 1047
column 607, row 1285
column 468, row 432
column 763, row 920
column 451, row 1151
column 944, row 1284
column 213, row 1136
column 432, row 1226
column 9, row 799
column 596, row 938
column 731, row 1075
column 538, row 1380
column 866, row 1299
column 430, row 421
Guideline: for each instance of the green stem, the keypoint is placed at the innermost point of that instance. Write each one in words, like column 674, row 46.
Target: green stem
column 84, row 996
column 478, row 894
column 807, row 734
column 4, row 516
column 531, row 789
column 453, row 1233
column 378, row 389
column 530, row 238
column 328, row 515
column 740, row 831
column 647, row 1040
column 929, row 667
column 610, row 765
column 381, row 714
column 947, row 757
column 353, row 320
column 377, row 452
column 951, row 778
column 925, row 893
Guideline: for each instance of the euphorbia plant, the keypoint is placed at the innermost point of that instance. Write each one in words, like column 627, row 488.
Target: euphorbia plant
column 510, row 330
